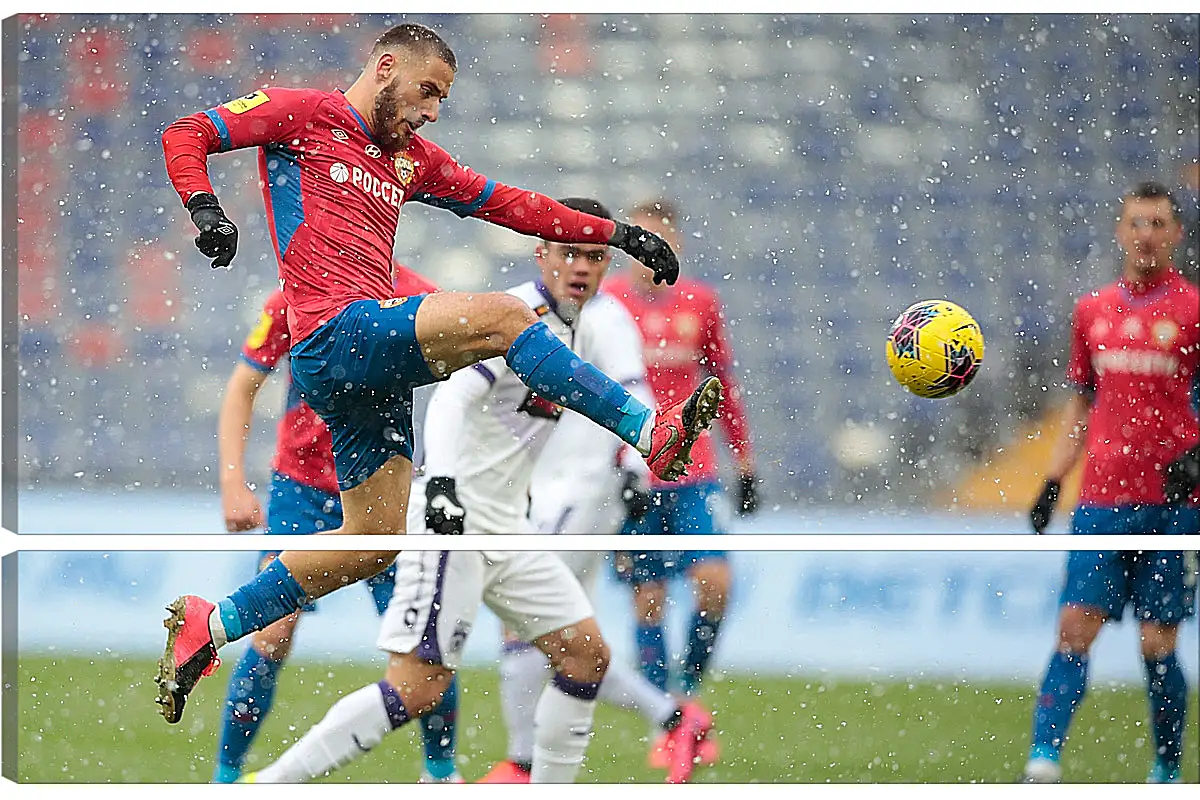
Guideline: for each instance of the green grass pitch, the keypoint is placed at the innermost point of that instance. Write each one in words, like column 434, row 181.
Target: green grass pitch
column 95, row 721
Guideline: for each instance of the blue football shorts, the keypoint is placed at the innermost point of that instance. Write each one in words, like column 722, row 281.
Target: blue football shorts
column 1160, row 584
column 358, row 372
column 295, row 508
column 694, row 509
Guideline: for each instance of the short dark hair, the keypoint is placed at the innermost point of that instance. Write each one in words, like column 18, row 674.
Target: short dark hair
column 660, row 209
column 412, row 36
column 588, row 206
column 1153, row 190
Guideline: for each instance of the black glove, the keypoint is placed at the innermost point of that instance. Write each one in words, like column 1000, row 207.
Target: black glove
column 218, row 236
column 648, row 248
column 635, row 494
column 748, row 495
column 1043, row 509
column 1182, row 477
column 443, row 513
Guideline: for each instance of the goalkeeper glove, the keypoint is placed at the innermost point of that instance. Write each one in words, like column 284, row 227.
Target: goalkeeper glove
column 1043, row 509
column 443, row 513
column 218, row 236
column 635, row 494
column 748, row 495
column 648, row 248
column 1182, row 477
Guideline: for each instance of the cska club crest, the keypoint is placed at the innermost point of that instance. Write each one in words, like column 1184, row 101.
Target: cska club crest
column 1165, row 332
column 406, row 168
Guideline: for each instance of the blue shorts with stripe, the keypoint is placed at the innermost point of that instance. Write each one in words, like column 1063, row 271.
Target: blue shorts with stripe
column 296, row 508
column 1159, row 584
column 695, row 509
column 358, row 372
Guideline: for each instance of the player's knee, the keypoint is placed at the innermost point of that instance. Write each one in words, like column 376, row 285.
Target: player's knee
column 1158, row 641
column 1077, row 629
column 509, row 316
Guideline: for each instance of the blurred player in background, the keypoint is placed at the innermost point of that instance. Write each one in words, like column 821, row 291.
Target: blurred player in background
column 483, row 431
column 303, row 499
column 584, row 482
column 1135, row 354
column 683, row 330
column 336, row 169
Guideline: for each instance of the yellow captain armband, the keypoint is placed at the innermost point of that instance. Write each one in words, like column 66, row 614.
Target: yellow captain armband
column 244, row 104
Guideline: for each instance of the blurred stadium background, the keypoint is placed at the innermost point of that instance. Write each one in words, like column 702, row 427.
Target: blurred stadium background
column 834, row 169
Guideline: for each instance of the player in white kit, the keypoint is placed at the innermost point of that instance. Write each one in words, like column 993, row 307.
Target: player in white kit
column 483, row 431
column 587, row 481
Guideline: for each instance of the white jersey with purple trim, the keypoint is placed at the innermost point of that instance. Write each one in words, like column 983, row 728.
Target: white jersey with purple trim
column 505, row 426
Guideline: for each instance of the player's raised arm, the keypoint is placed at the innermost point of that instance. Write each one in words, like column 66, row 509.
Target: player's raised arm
column 447, row 184
column 260, row 118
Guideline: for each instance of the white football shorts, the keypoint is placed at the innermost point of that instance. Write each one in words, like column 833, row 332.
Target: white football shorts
column 438, row 594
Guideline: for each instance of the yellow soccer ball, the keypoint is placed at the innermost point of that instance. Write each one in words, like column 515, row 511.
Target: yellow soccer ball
column 935, row 348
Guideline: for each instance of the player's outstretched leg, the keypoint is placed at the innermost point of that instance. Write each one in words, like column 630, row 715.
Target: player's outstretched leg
column 546, row 365
column 359, row 721
column 197, row 628
column 250, row 696
column 457, row 330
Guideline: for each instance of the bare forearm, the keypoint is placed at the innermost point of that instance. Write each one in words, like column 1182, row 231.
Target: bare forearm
column 234, row 425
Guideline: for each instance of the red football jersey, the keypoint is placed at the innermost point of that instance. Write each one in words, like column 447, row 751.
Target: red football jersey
column 333, row 194
column 303, row 446
column 683, row 332
column 1138, row 351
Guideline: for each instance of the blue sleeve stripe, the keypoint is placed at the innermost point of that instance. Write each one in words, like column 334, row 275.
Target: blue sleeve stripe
column 222, row 128
column 458, row 207
column 488, row 189
column 263, row 368
column 486, row 373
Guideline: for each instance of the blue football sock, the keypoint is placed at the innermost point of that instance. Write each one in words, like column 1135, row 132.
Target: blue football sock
column 550, row 368
column 652, row 654
column 1062, row 691
column 1167, row 688
column 270, row 596
column 382, row 586
column 439, row 729
column 247, row 703
column 701, row 642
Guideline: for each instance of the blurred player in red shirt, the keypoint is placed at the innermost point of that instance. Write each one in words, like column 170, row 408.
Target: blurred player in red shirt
column 1135, row 361
column 303, row 499
column 683, row 330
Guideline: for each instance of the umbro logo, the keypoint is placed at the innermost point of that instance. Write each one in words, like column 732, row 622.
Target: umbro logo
column 340, row 135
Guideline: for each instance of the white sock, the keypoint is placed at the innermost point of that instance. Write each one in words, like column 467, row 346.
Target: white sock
column 645, row 440
column 354, row 725
column 523, row 675
column 216, row 627
column 562, row 731
column 626, row 688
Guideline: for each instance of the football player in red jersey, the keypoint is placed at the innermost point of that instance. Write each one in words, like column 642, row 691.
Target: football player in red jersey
column 303, row 499
column 683, row 329
column 1135, row 357
column 336, row 169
